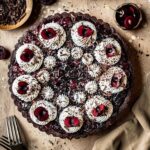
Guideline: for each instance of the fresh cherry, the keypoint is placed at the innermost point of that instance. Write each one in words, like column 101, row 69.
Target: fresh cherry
column 71, row 122
column 85, row 31
column 22, row 87
column 41, row 113
column 129, row 22
column 48, row 33
column 116, row 81
column 110, row 50
column 128, row 16
column 98, row 110
column 27, row 55
column 4, row 53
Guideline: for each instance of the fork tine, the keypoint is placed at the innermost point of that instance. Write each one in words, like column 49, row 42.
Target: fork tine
column 13, row 129
column 8, row 131
column 4, row 144
column 16, row 126
column 4, row 139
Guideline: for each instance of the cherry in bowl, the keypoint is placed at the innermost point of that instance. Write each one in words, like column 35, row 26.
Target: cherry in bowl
column 128, row 16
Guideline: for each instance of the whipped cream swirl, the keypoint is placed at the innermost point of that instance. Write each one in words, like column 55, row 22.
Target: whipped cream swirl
column 33, row 88
column 57, row 41
column 36, row 61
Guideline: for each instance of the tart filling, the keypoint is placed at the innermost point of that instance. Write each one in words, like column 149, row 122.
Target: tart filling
column 29, row 57
column 98, row 109
column 71, row 119
column 84, row 34
column 114, row 80
column 52, row 35
column 108, row 52
column 26, row 88
column 42, row 112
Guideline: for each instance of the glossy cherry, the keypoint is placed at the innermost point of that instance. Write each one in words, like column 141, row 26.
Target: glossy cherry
column 22, row 87
column 48, row 33
column 99, row 110
column 129, row 22
column 116, row 80
column 110, row 50
column 41, row 113
column 27, row 55
column 4, row 53
column 85, row 31
column 71, row 122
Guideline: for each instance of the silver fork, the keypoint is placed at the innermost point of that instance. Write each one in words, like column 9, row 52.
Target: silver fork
column 13, row 133
column 5, row 143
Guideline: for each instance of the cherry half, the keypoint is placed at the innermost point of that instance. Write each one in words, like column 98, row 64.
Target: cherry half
column 110, row 50
column 27, row 55
column 41, row 113
column 85, row 31
column 48, row 33
column 129, row 22
column 72, row 122
column 22, row 87
column 99, row 110
column 116, row 80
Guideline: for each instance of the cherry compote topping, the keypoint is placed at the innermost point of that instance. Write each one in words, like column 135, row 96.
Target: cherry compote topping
column 41, row 113
column 110, row 50
column 22, row 87
column 99, row 110
column 85, row 31
column 48, row 33
column 116, row 80
column 27, row 55
column 72, row 122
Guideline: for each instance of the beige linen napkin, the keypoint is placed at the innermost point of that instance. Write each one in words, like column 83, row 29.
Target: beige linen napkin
column 134, row 134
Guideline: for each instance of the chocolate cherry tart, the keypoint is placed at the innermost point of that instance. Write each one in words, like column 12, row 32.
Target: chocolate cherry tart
column 70, row 76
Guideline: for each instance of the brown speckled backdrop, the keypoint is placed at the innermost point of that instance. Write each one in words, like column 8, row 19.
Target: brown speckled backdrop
column 139, row 50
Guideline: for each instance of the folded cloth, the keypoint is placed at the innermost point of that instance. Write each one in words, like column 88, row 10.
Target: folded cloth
column 134, row 134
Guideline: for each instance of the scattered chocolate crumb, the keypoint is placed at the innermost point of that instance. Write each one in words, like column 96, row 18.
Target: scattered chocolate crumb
column 139, row 45
column 51, row 142
column 66, row 10
column 147, row 55
column 35, row 147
